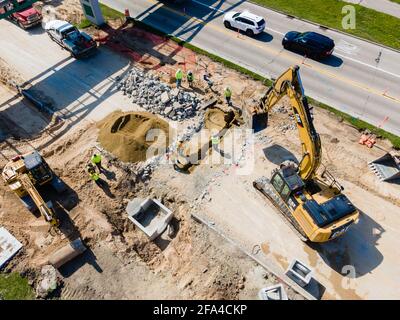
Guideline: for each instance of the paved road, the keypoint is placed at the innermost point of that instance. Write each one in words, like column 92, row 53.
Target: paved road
column 385, row 6
column 352, row 80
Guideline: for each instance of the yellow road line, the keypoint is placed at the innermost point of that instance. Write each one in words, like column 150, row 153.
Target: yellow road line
column 283, row 53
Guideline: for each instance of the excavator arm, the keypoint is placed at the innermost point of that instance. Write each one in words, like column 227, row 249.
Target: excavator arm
column 289, row 84
column 44, row 209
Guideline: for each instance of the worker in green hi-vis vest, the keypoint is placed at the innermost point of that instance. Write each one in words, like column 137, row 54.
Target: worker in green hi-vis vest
column 178, row 77
column 228, row 95
column 96, row 160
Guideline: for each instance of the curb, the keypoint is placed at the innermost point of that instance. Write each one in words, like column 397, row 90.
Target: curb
column 326, row 27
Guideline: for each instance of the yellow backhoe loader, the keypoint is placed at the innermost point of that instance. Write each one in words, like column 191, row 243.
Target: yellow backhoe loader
column 23, row 174
column 312, row 202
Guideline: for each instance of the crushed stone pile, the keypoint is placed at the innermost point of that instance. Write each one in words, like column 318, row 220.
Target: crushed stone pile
column 150, row 93
column 128, row 135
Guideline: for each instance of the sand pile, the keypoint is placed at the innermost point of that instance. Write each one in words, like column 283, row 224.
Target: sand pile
column 128, row 135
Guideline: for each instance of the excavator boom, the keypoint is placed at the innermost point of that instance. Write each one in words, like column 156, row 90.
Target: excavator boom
column 289, row 84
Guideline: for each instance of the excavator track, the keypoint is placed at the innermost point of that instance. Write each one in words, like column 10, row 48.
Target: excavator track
column 263, row 185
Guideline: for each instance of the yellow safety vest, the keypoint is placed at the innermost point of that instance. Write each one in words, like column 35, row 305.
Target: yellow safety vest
column 214, row 140
column 94, row 176
column 228, row 93
column 190, row 77
column 96, row 159
column 179, row 75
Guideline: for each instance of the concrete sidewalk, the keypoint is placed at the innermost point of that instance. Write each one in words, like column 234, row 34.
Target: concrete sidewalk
column 385, row 6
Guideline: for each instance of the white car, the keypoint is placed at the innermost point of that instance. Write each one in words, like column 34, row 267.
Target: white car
column 244, row 21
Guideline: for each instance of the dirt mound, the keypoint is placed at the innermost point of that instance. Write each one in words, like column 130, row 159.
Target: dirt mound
column 129, row 135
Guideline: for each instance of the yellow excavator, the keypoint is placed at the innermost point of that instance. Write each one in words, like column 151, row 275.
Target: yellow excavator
column 313, row 203
column 23, row 174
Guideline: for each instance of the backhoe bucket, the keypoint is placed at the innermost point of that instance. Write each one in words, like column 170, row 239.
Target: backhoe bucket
column 386, row 167
column 259, row 121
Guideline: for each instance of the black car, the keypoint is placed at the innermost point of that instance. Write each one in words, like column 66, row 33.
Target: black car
column 312, row 44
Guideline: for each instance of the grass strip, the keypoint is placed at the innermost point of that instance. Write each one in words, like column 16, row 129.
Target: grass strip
column 370, row 24
column 15, row 287
column 108, row 14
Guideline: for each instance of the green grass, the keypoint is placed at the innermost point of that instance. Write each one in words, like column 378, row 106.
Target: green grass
column 108, row 14
column 15, row 287
column 370, row 24
column 397, row 1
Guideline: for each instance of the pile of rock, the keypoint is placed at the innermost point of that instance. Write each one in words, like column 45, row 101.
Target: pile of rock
column 48, row 281
column 157, row 97
column 287, row 127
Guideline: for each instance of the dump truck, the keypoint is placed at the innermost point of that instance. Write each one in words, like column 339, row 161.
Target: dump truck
column 78, row 43
column 24, row 174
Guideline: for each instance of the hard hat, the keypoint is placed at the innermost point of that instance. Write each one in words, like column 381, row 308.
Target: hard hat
column 190, row 72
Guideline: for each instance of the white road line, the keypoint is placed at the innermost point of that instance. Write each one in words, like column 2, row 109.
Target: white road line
column 278, row 32
column 337, row 54
column 367, row 65
column 210, row 7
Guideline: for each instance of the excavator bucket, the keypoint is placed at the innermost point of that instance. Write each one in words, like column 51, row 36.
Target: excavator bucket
column 259, row 121
column 256, row 121
column 386, row 167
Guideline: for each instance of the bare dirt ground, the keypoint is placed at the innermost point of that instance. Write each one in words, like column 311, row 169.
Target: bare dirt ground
column 194, row 263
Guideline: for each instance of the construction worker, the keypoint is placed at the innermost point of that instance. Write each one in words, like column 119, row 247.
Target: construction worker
column 178, row 77
column 93, row 174
column 215, row 140
column 190, row 78
column 96, row 160
column 228, row 95
column 207, row 79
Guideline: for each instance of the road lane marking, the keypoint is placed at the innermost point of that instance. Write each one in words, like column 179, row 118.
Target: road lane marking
column 368, row 65
column 209, row 7
column 274, row 51
column 282, row 34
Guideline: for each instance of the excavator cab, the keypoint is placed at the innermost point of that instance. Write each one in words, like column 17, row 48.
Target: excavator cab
column 38, row 168
column 286, row 181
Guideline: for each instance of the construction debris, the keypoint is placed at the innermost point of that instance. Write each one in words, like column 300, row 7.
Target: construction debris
column 48, row 281
column 155, row 96
column 9, row 246
column 128, row 136
column 150, row 216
